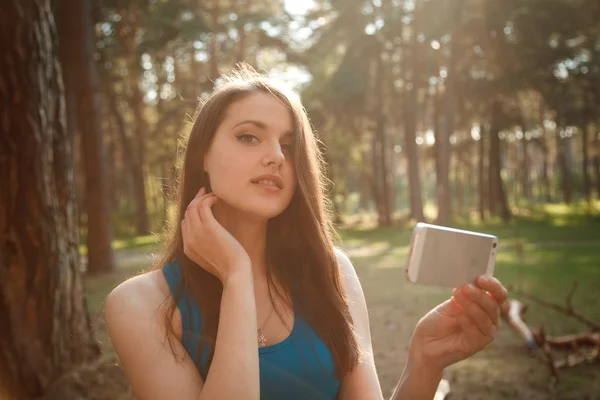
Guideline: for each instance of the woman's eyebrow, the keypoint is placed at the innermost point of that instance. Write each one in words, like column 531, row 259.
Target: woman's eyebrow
column 258, row 124
column 262, row 125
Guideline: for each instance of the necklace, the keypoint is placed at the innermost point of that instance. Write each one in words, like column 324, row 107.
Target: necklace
column 262, row 339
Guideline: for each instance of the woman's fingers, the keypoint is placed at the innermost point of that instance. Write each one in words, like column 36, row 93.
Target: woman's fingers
column 469, row 328
column 196, row 201
column 205, row 209
column 475, row 313
column 486, row 302
column 494, row 287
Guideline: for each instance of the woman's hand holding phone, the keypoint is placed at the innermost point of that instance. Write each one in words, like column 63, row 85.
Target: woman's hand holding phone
column 459, row 327
column 208, row 244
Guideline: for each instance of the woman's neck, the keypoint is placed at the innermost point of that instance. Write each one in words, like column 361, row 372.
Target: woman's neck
column 251, row 233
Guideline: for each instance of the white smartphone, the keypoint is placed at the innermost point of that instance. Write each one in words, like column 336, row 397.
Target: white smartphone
column 442, row 256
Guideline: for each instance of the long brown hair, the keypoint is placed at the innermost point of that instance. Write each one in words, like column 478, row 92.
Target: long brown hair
column 300, row 251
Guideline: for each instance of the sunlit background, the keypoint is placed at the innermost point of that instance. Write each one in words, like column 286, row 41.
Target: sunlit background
column 477, row 114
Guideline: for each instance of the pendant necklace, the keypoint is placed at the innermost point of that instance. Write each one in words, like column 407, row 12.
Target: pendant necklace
column 262, row 339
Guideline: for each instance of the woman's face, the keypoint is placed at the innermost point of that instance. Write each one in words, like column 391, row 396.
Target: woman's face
column 250, row 161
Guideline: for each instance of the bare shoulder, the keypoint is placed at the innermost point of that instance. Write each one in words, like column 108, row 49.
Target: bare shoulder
column 362, row 380
column 348, row 273
column 137, row 294
column 138, row 300
column 156, row 366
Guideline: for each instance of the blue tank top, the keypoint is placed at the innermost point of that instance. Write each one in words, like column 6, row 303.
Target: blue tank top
column 299, row 367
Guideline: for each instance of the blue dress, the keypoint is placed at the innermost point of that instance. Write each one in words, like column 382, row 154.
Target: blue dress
column 299, row 367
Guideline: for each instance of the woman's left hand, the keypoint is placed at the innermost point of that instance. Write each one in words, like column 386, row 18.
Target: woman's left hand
column 459, row 327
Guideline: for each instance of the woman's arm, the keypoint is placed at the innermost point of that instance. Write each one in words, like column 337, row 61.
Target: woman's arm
column 362, row 383
column 135, row 318
column 454, row 330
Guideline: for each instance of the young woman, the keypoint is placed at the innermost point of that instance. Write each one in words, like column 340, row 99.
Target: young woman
column 252, row 300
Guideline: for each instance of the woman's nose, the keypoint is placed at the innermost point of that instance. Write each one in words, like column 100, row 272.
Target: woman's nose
column 274, row 155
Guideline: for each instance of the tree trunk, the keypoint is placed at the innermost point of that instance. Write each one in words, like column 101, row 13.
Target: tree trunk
column 545, row 176
column 587, row 187
column 140, row 127
column 565, row 174
column 380, row 154
column 481, row 173
column 76, row 21
column 525, row 181
column 498, row 201
column 443, row 147
column 597, row 163
column 410, row 124
column 585, row 128
column 543, row 143
column 45, row 326
column 458, row 181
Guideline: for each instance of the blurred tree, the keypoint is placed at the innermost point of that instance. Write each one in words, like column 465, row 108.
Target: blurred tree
column 85, row 113
column 45, row 325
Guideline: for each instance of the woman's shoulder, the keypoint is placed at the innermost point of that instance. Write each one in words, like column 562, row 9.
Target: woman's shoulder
column 141, row 297
column 141, row 290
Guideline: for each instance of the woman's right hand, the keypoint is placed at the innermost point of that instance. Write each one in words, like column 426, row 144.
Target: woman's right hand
column 208, row 244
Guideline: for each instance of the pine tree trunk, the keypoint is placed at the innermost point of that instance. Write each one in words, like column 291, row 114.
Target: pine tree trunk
column 585, row 128
column 481, row 174
column 587, row 187
column 45, row 326
column 545, row 176
column 138, row 157
column 543, row 144
column 442, row 160
column 565, row 174
column 443, row 148
column 410, row 124
column 525, row 181
column 380, row 153
column 76, row 21
column 597, row 164
column 498, row 201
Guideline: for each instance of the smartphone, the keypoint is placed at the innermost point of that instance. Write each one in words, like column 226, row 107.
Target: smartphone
column 442, row 256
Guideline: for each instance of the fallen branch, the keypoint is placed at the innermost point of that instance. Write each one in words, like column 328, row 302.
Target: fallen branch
column 578, row 344
column 545, row 346
column 564, row 310
column 442, row 390
column 511, row 311
column 575, row 341
column 575, row 359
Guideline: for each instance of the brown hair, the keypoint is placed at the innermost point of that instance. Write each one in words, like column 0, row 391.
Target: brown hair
column 304, row 263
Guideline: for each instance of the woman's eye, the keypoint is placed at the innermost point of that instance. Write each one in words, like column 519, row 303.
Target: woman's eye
column 247, row 138
column 288, row 147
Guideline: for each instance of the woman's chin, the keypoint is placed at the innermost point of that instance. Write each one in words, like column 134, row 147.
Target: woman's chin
column 266, row 213
column 262, row 209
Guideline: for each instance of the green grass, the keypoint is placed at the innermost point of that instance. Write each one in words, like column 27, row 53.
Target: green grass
column 561, row 245
column 138, row 243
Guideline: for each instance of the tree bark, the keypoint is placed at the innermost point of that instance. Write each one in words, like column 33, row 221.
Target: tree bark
column 481, row 173
column 565, row 174
column 443, row 147
column 585, row 128
column 138, row 156
column 498, row 201
column 543, row 144
column 380, row 154
column 410, row 123
column 525, row 181
column 597, row 164
column 45, row 326
column 79, row 65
